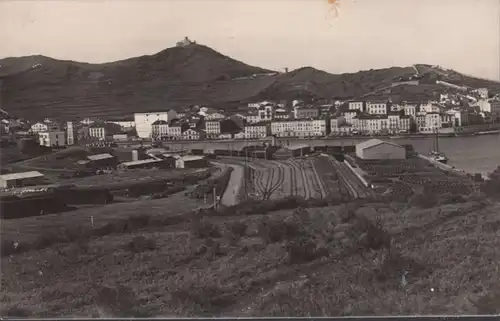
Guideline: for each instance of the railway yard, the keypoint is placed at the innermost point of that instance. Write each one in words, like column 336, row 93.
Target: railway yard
column 308, row 177
column 323, row 176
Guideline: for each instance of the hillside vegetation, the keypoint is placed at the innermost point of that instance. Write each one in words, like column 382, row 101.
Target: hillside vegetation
column 38, row 86
column 307, row 259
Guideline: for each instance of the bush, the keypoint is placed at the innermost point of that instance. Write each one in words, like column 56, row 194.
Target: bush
column 204, row 229
column 141, row 244
column 423, row 200
column 303, row 250
column 372, row 236
column 238, row 228
column 276, row 231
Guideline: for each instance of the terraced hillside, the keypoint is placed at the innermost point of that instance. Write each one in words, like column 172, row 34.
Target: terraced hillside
column 38, row 86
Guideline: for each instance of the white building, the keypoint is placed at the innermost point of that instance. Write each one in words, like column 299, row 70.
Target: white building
column 144, row 121
column 370, row 124
column 299, row 128
column 432, row 123
column 87, row 122
column 70, row 133
column 125, row 124
column 379, row 149
column 175, row 131
column 484, row 105
column 52, row 138
column 255, row 131
column 159, row 129
column 376, row 108
column 429, row 107
column 43, row 127
column 212, row 128
column 191, row 134
column 97, row 131
column 350, row 115
column 336, row 124
column 410, row 110
column 356, row 105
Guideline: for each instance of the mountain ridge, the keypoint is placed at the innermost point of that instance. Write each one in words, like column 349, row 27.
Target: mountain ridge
column 39, row 86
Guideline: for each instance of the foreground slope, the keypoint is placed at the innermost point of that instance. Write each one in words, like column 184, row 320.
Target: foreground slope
column 325, row 261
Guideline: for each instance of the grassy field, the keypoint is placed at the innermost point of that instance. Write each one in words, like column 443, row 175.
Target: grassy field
column 331, row 261
column 31, row 228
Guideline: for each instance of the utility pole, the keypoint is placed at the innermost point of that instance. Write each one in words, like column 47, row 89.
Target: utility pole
column 215, row 198
column 246, row 168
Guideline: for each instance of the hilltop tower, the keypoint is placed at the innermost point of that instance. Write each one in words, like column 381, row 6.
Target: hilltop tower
column 185, row 42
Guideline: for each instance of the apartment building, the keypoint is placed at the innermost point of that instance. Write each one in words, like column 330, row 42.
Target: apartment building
column 350, row 115
column 495, row 111
column 305, row 112
column 98, row 131
column 52, row 138
column 174, row 131
column 255, row 131
column 299, row 128
column 432, row 122
column 191, row 134
column 410, row 110
column 159, row 129
column 266, row 112
column 357, row 105
column 144, row 121
column 212, row 128
column 43, row 127
column 376, row 108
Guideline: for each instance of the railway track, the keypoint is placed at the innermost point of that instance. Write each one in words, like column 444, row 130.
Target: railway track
column 300, row 172
column 317, row 179
column 343, row 177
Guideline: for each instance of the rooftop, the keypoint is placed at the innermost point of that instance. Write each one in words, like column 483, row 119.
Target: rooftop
column 190, row 158
column 375, row 142
column 142, row 161
column 100, row 156
column 13, row 176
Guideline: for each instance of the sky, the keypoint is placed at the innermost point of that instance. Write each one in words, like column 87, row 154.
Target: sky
column 364, row 34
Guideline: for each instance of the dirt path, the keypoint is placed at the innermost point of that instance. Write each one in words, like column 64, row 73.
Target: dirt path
column 230, row 196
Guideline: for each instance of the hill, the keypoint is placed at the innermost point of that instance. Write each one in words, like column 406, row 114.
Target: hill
column 37, row 86
column 340, row 260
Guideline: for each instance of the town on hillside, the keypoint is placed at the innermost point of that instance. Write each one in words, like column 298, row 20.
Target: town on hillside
column 452, row 114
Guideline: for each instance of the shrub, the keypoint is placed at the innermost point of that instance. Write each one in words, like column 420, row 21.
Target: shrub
column 372, row 236
column 141, row 244
column 276, row 231
column 204, row 229
column 303, row 250
column 423, row 200
column 238, row 228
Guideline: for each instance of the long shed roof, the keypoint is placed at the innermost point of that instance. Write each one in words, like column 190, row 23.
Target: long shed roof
column 13, row 176
column 375, row 142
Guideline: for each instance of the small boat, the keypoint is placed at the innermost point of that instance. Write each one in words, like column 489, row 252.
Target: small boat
column 438, row 157
column 435, row 154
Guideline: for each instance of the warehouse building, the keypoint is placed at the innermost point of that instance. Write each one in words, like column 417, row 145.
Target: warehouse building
column 21, row 179
column 148, row 163
column 105, row 160
column 190, row 161
column 379, row 149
